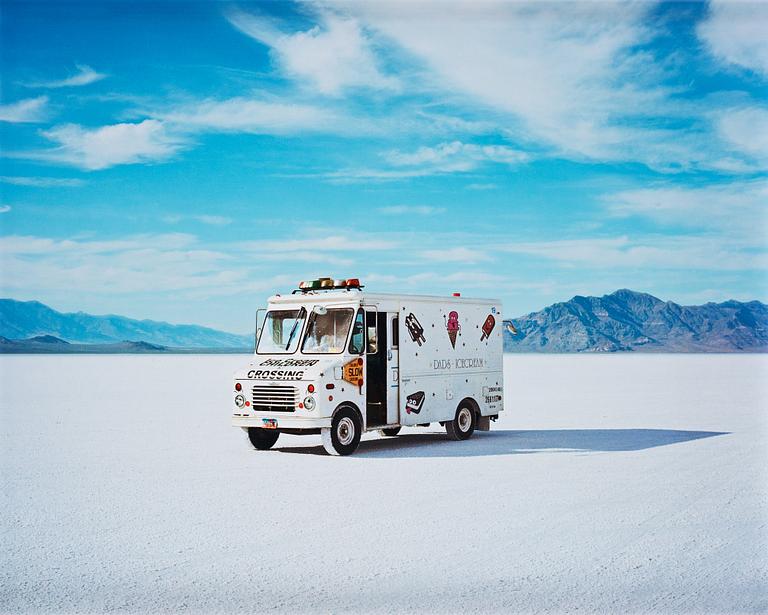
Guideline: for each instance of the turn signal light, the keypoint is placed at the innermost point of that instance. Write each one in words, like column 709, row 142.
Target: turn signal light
column 311, row 388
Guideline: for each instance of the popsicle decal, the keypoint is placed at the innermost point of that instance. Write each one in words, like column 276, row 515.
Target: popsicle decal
column 415, row 330
column 488, row 326
column 453, row 327
column 414, row 402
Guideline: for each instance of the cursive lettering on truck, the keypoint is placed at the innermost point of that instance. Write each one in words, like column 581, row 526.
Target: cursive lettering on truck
column 289, row 362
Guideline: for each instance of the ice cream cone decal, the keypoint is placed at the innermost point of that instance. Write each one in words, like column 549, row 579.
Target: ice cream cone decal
column 453, row 327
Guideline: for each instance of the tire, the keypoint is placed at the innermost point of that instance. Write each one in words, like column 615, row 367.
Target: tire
column 263, row 439
column 463, row 424
column 390, row 431
column 343, row 436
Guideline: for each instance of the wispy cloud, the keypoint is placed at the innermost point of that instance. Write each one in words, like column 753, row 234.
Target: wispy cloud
column 480, row 186
column 42, row 182
column 728, row 207
column 734, row 33
column 29, row 110
column 575, row 78
column 100, row 148
column 85, row 75
column 323, row 241
column 659, row 252
column 330, row 57
column 212, row 220
column 745, row 130
column 418, row 210
column 459, row 254
column 4, row 209
column 173, row 262
column 444, row 158
column 457, row 156
column 241, row 114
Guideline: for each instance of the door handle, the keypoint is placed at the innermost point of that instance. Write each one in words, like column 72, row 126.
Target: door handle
column 389, row 355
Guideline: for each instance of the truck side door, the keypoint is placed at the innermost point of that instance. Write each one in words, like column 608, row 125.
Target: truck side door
column 393, row 377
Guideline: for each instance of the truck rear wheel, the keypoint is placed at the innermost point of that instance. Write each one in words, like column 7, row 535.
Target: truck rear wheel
column 343, row 436
column 263, row 439
column 463, row 424
column 390, row 431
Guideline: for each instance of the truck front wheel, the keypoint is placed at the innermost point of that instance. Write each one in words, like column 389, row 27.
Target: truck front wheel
column 263, row 439
column 463, row 424
column 343, row 436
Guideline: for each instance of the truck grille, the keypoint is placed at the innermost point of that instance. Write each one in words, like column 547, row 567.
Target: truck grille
column 274, row 398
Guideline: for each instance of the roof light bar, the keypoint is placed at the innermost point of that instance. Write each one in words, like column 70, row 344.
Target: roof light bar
column 329, row 284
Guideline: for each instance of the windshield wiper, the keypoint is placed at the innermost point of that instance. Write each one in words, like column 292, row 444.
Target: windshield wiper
column 293, row 329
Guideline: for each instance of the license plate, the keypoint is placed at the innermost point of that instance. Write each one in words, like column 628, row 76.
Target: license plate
column 269, row 423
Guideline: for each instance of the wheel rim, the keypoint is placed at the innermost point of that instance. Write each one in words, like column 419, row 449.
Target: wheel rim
column 345, row 431
column 465, row 419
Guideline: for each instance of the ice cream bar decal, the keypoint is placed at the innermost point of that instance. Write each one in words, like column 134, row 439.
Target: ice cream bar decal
column 414, row 402
column 415, row 330
column 453, row 327
column 488, row 326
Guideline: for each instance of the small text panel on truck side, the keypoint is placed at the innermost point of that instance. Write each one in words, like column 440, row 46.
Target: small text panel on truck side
column 334, row 360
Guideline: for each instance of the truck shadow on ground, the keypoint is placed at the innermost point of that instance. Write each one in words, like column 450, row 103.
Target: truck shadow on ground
column 514, row 442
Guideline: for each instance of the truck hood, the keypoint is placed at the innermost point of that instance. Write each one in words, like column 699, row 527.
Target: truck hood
column 289, row 369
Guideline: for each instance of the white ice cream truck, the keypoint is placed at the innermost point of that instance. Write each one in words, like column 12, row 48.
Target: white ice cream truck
column 333, row 360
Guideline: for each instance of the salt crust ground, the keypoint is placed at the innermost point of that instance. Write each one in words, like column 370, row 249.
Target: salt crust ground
column 612, row 484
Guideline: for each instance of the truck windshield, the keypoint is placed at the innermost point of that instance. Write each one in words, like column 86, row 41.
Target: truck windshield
column 327, row 331
column 281, row 331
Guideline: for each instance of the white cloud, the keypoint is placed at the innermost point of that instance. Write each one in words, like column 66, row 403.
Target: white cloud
column 351, row 176
column 42, row 182
column 730, row 207
column 449, row 157
column 85, row 75
column 458, row 254
column 248, row 115
column 418, row 210
column 658, row 252
column 320, row 239
column 107, row 146
column 569, row 74
column 735, row 33
column 480, row 186
column 746, row 131
column 457, row 156
column 29, row 110
column 4, row 209
column 330, row 57
column 172, row 262
column 212, row 220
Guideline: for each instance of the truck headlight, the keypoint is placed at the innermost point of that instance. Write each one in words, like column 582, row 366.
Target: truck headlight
column 240, row 401
column 309, row 402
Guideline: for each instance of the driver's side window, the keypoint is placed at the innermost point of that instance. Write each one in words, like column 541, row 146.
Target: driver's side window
column 357, row 341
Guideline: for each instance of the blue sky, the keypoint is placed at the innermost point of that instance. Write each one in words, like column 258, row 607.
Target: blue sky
column 182, row 161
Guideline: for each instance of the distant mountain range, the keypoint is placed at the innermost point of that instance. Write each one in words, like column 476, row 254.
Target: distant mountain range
column 49, row 344
column 622, row 321
column 628, row 320
column 44, row 329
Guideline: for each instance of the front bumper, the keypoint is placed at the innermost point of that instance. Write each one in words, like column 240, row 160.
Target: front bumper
column 283, row 422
